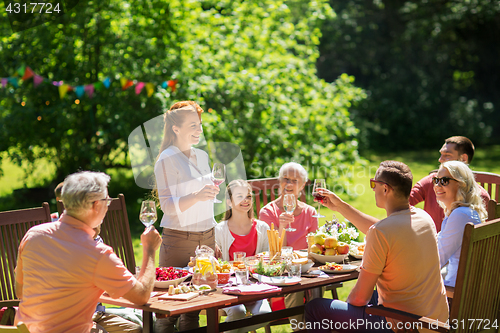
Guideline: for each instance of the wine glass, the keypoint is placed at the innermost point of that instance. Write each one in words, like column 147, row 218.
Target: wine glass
column 148, row 213
column 289, row 203
column 218, row 176
column 318, row 183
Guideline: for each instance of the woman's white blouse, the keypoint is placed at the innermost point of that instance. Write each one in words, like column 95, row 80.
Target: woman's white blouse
column 177, row 176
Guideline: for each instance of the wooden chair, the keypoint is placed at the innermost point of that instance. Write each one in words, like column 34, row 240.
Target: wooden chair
column 13, row 227
column 115, row 231
column 490, row 182
column 493, row 210
column 20, row 328
column 476, row 295
column 266, row 190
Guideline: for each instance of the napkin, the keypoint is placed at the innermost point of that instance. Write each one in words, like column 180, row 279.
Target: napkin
column 250, row 289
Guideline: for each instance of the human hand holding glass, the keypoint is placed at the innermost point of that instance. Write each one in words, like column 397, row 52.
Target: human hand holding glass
column 218, row 176
column 318, row 183
column 289, row 203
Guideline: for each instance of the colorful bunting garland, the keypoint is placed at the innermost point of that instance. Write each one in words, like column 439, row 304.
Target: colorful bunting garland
column 25, row 72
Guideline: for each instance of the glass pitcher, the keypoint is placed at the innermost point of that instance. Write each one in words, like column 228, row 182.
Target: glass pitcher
column 205, row 269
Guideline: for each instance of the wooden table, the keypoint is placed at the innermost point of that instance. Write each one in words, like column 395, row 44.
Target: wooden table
column 217, row 300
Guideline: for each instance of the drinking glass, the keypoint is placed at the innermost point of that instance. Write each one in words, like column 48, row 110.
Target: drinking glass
column 218, row 176
column 318, row 183
column 295, row 270
column 289, row 203
column 148, row 213
column 241, row 276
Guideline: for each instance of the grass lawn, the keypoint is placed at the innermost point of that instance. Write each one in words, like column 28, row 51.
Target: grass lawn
column 421, row 163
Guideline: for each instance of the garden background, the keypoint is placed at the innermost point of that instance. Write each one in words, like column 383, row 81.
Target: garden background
column 335, row 85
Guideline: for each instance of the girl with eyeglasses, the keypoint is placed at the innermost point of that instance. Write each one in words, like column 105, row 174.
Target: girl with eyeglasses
column 459, row 195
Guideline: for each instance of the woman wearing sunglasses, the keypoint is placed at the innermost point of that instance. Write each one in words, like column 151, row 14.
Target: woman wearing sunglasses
column 459, row 195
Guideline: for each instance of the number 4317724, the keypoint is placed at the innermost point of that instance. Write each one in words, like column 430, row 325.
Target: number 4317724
column 46, row 8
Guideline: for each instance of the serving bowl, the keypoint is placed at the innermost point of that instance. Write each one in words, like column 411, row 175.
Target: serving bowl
column 324, row 259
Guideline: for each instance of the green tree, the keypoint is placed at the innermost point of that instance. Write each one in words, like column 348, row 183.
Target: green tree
column 430, row 68
column 252, row 62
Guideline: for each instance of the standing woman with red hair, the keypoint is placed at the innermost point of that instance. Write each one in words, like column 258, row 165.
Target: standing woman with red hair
column 185, row 191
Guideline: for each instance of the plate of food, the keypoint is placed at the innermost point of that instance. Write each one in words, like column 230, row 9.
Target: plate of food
column 277, row 280
column 305, row 264
column 357, row 250
column 332, row 267
column 324, row 259
column 167, row 276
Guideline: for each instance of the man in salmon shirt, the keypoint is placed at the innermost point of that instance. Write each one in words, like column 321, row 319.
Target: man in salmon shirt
column 61, row 271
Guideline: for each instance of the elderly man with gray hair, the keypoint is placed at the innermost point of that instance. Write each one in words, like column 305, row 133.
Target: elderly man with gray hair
column 61, row 271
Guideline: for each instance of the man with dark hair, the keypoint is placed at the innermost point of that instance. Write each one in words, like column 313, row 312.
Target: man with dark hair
column 455, row 148
column 401, row 258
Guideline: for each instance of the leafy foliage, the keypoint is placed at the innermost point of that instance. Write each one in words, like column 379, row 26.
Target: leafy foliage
column 252, row 62
column 430, row 68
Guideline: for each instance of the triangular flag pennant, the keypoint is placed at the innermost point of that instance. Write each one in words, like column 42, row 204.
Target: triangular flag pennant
column 13, row 81
column 79, row 91
column 107, row 82
column 126, row 83
column 98, row 86
column 21, row 70
column 138, row 87
column 172, row 84
column 28, row 73
column 4, row 82
column 89, row 89
column 164, row 85
column 37, row 79
column 63, row 89
column 150, row 88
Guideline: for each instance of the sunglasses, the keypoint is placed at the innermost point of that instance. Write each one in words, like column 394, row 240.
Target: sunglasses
column 374, row 181
column 444, row 181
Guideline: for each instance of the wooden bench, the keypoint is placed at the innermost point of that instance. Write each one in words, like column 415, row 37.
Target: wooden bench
column 476, row 296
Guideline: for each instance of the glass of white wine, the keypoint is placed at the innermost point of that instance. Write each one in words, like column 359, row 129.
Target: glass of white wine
column 148, row 213
column 218, row 176
column 289, row 203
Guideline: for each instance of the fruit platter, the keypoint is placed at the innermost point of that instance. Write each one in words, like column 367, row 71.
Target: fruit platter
column 170, row 276
column 332, row 242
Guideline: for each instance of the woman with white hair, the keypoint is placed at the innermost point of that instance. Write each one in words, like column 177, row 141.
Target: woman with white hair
column 460, row 196
column 292, row 179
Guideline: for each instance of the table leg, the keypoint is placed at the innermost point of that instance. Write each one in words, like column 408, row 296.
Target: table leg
column 147, row 322
column 313, row 293
column 212, row 320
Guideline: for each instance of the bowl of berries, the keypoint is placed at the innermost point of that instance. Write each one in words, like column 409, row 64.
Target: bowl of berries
column 167, row 276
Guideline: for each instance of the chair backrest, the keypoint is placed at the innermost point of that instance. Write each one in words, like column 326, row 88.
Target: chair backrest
column 477, row 288
column 13, row 227
column 266, row 190
column 115, row 230
column 490, row 182
column 493, row 210
column 20, row 328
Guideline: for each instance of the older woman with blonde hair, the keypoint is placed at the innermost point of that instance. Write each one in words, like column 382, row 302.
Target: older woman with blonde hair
column 460, row 196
